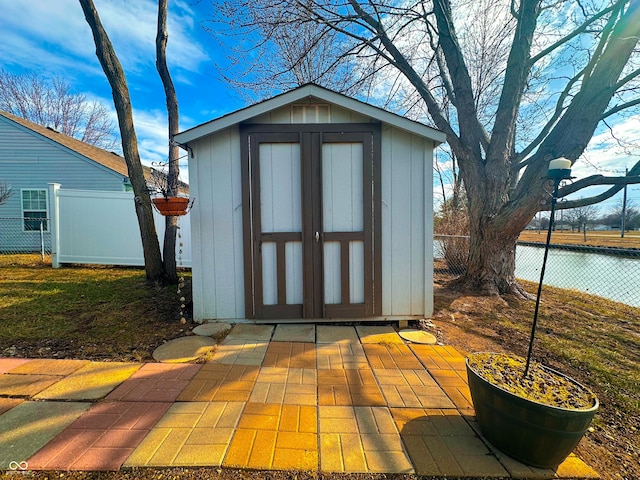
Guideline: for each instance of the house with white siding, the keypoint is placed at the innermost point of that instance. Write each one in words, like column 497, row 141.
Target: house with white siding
column 311, row 206
column 31, row 157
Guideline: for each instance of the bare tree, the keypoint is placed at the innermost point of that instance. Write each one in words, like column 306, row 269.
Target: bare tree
column 306, row 52
column 114, row 73
column 52, row 103
column 173, row 168
column 630, row 212
column 525, row 82
column 5, row 192
column 580, row 217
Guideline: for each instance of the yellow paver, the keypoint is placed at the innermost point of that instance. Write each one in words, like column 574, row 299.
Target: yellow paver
column 441, row 442
column 411, row 388
column 572, row 467
column 93, row 381
column 290, row 355
column 383, row 334
column 349, row 355
column 281, row 437
column 360, row 439
column 294, row 386
column 439, row 357
column 220, row 382
column 7, row 404
column 392, row 355
column 240, row 352
column 189, row 434
column 25, row 385
column 56, row 367
column 348, row 387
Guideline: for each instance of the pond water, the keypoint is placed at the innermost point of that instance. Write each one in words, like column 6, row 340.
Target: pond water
column 613, row 277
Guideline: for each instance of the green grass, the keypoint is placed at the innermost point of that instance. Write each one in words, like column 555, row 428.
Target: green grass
column 82, row 311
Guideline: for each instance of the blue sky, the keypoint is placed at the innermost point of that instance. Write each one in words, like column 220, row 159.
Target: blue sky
column 53, row 38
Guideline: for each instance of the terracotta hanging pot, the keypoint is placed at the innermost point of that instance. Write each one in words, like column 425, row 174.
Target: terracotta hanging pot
column 172, row 206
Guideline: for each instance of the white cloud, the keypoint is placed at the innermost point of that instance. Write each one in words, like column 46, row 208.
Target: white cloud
column 52, row 38
column 55, row 35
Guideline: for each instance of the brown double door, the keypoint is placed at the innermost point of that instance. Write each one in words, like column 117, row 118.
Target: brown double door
column 311, row 198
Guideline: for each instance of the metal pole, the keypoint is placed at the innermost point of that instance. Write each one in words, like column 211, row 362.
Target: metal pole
column 624, row 207
column 554, row 198
column 42, row 240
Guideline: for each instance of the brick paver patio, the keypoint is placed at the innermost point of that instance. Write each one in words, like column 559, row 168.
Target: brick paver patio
column 326, row 398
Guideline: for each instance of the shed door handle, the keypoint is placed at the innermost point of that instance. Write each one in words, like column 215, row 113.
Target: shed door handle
column 317, row 237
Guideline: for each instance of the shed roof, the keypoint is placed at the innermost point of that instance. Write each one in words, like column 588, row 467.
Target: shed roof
column 304, row 92
column 107, row 159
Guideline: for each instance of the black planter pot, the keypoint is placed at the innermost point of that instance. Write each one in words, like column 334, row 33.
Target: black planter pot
column 533, row 433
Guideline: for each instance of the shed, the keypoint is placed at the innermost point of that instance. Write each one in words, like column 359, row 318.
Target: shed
column 311, row 206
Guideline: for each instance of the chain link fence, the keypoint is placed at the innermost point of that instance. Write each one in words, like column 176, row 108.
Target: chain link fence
column 25, row 235
column 612, row 273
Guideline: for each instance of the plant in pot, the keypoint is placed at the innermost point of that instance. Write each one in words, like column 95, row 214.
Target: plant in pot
column 170, row 202
column 530, row 412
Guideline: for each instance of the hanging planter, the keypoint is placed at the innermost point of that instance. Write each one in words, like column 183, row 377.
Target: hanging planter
column 172, row 206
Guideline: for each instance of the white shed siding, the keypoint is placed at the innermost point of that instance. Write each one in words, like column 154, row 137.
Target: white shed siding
column 406, row 207
column 283, row 115
column 218, row 275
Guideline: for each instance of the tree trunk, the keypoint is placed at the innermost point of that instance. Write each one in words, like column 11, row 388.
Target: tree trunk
column 115, row 76
column 492, row 260
column 494, row 227
column 171, row 223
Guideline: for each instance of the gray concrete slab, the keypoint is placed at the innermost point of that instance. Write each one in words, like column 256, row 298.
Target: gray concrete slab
column 295, row 333
column 418, row 336
column 336, row 334
column 185, row 349
column 254, row 333
column 211, row 329
column 26, row 428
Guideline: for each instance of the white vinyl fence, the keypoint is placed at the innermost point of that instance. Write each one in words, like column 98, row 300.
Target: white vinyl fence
column 96, row 227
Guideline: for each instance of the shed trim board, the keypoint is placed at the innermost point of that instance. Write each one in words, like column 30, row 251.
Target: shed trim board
column 301, row 93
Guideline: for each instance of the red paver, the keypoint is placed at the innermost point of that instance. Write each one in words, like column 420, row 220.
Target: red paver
column 290, row 355
column 155, row 382
column 101, row 439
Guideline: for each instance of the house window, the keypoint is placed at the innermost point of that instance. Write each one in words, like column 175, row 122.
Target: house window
column 34, row 210
column 310, row 114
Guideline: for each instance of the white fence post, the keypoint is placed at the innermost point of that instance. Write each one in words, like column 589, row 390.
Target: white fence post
column 54, row 223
